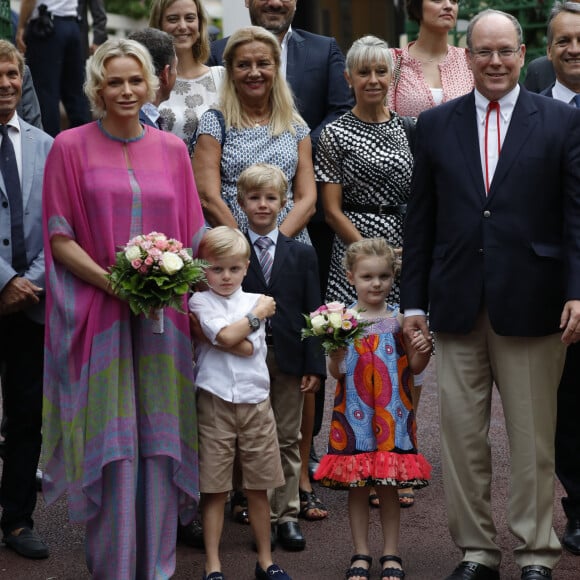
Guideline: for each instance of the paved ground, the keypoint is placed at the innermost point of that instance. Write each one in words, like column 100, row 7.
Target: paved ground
column 426, row 547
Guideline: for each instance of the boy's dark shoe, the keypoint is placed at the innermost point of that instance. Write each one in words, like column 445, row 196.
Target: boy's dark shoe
column 571, row 537
column 290, row 537
column 27, row 543
column 274, row 572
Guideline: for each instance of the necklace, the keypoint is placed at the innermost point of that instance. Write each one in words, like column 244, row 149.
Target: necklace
column 120, row 139
column 258, row 122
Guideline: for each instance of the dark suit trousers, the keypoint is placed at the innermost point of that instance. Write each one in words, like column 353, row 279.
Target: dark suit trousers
column 21, row 363
column 58, row 73
column 568, row 432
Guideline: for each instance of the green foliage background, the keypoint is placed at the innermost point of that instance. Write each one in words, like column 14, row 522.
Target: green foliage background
column 132, row 8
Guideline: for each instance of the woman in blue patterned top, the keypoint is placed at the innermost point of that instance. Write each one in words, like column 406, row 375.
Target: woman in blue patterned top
column 257, row 122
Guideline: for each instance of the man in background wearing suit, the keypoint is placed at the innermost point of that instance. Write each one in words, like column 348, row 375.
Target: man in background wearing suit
column 162, row 50
column 492, row 247
column 564, row 53
column 22, row 159
column 99, row 25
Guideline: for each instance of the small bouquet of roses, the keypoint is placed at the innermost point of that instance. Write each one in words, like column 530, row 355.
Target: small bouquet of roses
column 335, row 324
column 152, row 272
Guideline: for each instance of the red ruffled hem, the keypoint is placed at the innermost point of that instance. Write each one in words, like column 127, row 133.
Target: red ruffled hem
column 375, row 465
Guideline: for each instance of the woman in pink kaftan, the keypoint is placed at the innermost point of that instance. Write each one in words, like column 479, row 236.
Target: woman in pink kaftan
column 119, row 431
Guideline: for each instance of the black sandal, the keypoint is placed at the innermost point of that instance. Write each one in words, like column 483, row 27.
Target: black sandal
column 396, row 572
column 358, row 570
column 239, row 508
column 309, row 501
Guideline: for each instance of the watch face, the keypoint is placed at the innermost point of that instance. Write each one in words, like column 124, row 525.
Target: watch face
column 254, row 322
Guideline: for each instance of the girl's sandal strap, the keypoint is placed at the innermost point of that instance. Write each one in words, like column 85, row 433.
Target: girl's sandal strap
column 358, row 570
column 390, row 572
column 364, row 557
column 389, row 558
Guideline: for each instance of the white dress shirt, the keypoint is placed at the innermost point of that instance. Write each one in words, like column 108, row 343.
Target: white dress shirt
column 506, row 108
column 562, row 93
column 233, row 378
column 15, row 136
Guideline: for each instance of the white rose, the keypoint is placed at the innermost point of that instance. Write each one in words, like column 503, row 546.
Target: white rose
column 132, row 253
column 318, row 324
column 335, row 319
column 170, row 263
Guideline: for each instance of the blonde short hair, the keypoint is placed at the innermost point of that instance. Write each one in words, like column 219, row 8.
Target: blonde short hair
column 117, row 48
column 367, row 50
column 222, row 242
column 262, row 176
column 369, row 248
column 200, row 49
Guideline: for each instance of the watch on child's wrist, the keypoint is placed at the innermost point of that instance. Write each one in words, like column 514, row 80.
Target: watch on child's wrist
column 253, row 321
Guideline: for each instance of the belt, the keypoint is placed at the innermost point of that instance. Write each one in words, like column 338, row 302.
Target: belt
column 71, row 18
column 379, row 209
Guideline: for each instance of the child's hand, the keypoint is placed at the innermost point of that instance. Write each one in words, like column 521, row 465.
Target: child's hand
column 421, row 343
column 195, row 329
column 265, row 307
column 310, row 384
column 337, row 355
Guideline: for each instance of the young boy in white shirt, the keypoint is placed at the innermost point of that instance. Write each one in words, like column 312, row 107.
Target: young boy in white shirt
column 233, row 405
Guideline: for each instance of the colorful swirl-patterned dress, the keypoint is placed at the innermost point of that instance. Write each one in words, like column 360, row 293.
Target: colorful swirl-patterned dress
column 373, row 439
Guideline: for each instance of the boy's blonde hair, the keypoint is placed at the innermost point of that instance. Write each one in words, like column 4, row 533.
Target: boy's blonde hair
column 370, row 247
column 262, row 176
column 224, row 241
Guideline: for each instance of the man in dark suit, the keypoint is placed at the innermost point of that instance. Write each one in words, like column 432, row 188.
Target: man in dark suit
column 563, row 50
column 492, row 248
column 162, row 50
column 21, row 308
column 99, row 24
column 314, row 68
column 295, row 366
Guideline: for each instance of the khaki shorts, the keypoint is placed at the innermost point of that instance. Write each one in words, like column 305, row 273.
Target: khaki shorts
column 248, row 429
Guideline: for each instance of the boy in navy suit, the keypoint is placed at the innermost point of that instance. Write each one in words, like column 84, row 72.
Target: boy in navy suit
column 287, row 270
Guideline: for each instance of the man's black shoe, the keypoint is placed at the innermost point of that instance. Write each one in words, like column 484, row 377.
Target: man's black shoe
column 536, row 573
column 571, row 537
column 290, row 536
column 27, row 543
column 473, row 571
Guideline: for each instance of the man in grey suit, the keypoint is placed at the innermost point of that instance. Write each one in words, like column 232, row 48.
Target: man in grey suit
column 23, row 152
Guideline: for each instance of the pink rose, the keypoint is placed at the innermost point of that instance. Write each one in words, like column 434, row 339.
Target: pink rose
column 149, row 261
column 335, row 307
column 136, row 263
column 143, row 270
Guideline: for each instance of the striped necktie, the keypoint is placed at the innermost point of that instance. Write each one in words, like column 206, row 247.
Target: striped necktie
column 263, row 243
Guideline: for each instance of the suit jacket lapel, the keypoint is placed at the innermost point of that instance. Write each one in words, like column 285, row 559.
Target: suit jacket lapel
column 520, row 127
column 296, row 61
column 279, row 256
column 468, row 138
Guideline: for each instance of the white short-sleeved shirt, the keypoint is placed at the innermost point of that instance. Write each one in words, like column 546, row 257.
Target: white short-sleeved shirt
column 233, row 378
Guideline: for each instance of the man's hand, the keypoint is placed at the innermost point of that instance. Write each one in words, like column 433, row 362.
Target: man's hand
column 412, row 324
column 18, row 294
column 570, row 322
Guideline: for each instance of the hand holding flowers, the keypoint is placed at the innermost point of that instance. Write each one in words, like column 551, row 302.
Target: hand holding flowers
column 335, row 324
column 152, row 272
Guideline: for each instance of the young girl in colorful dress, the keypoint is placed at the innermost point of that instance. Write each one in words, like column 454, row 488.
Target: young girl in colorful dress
column 372, row 435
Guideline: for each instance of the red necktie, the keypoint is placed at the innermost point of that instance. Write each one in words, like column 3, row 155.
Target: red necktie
column 493, row 106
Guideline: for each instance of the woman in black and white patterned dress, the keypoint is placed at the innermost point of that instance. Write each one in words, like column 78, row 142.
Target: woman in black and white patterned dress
column 364, row 163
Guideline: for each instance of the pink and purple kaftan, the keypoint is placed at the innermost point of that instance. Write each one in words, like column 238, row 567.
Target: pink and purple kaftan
column 113, row 390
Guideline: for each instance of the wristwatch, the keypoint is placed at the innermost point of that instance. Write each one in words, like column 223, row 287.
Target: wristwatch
column 253, row 321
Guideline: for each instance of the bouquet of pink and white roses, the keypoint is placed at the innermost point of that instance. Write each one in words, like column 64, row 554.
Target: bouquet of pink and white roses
column 152, row 272
column 335, row 324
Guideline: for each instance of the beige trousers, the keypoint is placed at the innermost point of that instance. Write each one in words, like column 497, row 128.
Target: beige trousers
column 526, row 372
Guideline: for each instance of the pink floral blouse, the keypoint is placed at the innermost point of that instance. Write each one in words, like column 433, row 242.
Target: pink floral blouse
column 411, row 95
